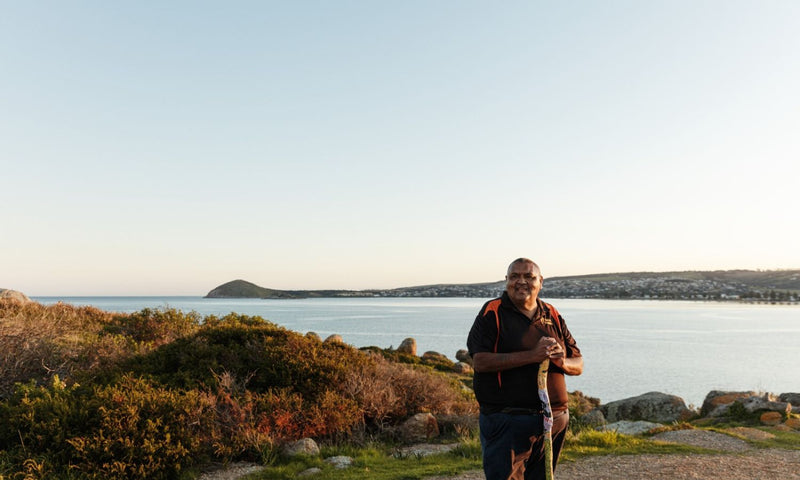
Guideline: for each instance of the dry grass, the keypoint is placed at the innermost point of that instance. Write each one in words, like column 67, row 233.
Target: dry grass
column 38, row 341
column 389, row 391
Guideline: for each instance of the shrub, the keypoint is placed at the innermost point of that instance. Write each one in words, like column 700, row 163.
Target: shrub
column 434, row 360
column 38, row 342
column 269, row 356
column 160, row 390
column 154, row 327
column 388, row 392
column 131, row 430
column 241, row 423
column 287, row 416
column 139, row 431
column 738, row 413
column 38, row 419
column 580, row 404
column 235, row 320
column 438, row 361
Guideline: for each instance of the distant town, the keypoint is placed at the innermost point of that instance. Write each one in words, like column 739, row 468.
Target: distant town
column 768, row 286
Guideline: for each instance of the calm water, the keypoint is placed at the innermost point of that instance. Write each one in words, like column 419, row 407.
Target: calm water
column 629, row 347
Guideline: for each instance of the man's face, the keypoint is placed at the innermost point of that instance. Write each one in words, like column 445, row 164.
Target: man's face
column 523, row 282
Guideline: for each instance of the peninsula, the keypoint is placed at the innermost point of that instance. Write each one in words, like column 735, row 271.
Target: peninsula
column 739, row 285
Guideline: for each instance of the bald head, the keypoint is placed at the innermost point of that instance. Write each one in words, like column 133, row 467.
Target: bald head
column 521, row 260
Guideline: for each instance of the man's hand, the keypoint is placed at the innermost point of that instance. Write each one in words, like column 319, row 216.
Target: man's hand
column 547, row 348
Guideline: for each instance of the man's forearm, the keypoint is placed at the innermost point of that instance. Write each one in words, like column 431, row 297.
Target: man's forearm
column 571, row 365
column 497, row 362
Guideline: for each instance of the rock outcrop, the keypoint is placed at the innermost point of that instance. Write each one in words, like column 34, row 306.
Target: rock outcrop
column 771, row 418
column 464, row 356
column 651, row 406
column 764, row 402
column 313, row 335
column 13, row 295
column 435, row 357
column 339, row 462
column 462, row 368
column 593, row 418
column 662, row 408
column 628, row 427
column 304, row 446
column 419, row 428
column 408, row 346
column 718, row 403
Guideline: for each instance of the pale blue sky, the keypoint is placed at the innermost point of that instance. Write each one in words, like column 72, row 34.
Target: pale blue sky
column 154, row 148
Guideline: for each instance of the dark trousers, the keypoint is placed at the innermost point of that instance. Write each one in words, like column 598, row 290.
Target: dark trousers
column 502, row 433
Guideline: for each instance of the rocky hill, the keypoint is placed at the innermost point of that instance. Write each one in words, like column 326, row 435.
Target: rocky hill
column 245, row 289
column 747, row 285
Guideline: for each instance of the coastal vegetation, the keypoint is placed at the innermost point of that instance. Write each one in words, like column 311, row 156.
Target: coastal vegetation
column 161, row 394
column 155, row 394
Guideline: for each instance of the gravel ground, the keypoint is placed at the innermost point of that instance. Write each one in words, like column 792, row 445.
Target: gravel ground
column 231, row 471
column 754, row 465
column 741, row 462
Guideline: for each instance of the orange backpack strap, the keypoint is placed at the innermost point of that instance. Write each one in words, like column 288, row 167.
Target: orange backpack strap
column 492, row 307
column 556, row 317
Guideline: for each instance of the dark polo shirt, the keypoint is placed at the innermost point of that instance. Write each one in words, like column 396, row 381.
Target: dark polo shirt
column 517, row 387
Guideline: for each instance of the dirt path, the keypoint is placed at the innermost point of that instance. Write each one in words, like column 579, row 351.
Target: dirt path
column 741, row 462
column 762, row 464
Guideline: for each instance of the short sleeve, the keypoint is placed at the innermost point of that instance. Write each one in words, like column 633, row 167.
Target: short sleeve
column 569, row 341
column 482, row 335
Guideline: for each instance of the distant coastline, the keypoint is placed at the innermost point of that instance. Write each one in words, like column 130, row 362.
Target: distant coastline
column 748, row 286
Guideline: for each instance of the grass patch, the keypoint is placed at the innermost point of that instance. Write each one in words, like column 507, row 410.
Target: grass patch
column 379, row 464
column 784, row 440
column 788, row 440
column 591, row 442
column 382, row 464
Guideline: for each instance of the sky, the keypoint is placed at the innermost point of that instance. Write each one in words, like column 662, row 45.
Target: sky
column 165, row 148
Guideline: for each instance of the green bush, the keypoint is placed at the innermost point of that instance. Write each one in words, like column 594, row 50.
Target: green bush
column 133, row 430
column 738, row 413
column 434, row 360
column 268, row 356
column 154, row 327
column 39, row 419
column 140, row 431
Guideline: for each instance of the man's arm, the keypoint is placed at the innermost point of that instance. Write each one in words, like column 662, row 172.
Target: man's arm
column 571, row 365
column 547, row 347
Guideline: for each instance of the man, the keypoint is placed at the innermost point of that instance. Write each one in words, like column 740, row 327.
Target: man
column 510, row 337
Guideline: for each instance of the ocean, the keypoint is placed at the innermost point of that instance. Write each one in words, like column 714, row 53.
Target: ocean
column 630, row 347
